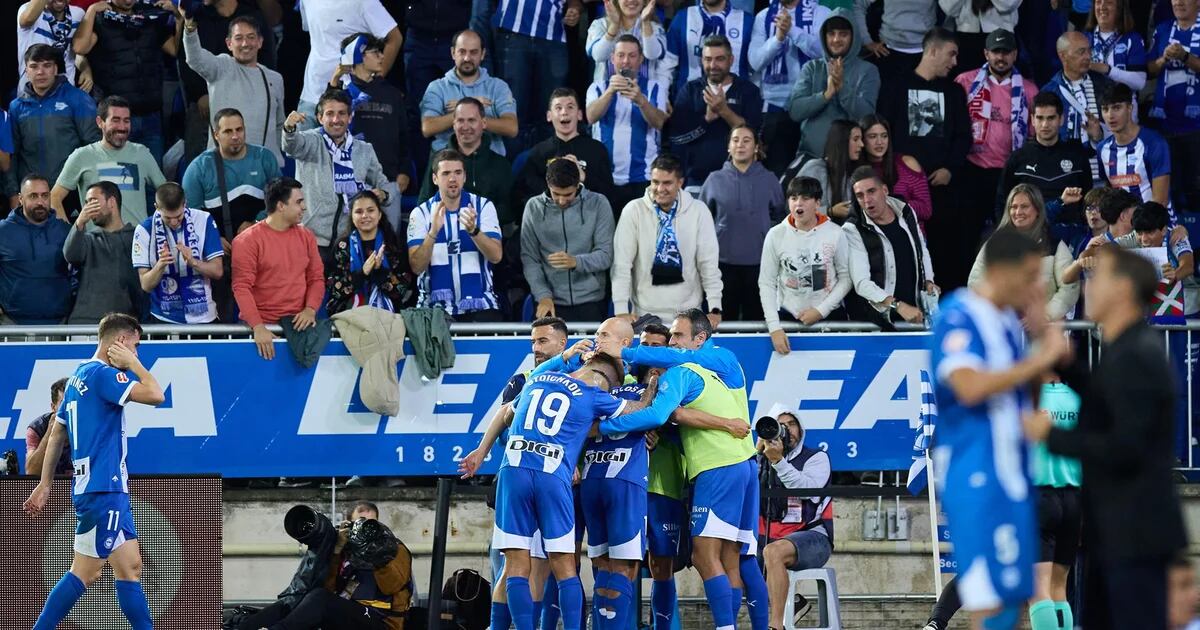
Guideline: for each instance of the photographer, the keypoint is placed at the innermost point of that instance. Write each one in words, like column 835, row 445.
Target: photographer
column 801, row 528
column 363, row 581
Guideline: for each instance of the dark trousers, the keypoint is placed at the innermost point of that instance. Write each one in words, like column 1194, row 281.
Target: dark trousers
column 490, row 315
column 586, row 312
column 1122, row 594
column 739, row 297
column 1185, row 171
column 947, row 604
column 961, row 211
column 533, row 68
column 425, row 61
column 622, row 195
column 319, row 609
column 782, row 136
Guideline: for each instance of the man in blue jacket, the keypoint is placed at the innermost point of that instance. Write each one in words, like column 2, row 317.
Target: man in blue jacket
column 50, row 119
column 34, row 286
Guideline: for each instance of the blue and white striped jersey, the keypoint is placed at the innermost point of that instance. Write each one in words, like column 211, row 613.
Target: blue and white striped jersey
column 540, row 19
column 1134, row 166
column 631, row 141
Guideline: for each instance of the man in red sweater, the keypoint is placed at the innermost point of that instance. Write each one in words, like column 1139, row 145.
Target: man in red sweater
column 276, row 269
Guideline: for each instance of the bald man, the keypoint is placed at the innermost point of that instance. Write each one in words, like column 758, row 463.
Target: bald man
column 1080, row 88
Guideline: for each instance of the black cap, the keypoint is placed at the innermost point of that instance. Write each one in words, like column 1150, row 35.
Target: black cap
column 1001, row 39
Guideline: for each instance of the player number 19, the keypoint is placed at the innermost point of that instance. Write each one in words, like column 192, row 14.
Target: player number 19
column 549, row 414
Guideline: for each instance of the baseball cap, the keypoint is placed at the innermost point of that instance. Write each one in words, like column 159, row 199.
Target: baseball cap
column 1001, row 39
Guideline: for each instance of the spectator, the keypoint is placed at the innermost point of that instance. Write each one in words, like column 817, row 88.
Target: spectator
column 1182, row 595
column 1026, row 214
column 453, row 241
column 1050, row 163
column 998, row 104
column 107, row 282
column 431, row 27
column 277, row 270
column 327, row 150
column 177, row 253
column 785, row 37
column 124, row 41
column 805, row 265
column 973, row 21
column 665, row 251
column 50, row 119
column 747, row 200
column 241, row 80
column 1116, row 213
column 1135, row 159
column 902, row 174
column 628, row 115
column 329, row 22
column 1118, row 51
column 115, row 159
column 1151, row 228
column 52, row 23
column 565, row 115
column 638, row 18
column 801, row 535
column 488, row 174
column 843, row 154
column 35, row 435
column 902, row 32
column 838, row 86
column 1176, row 62
column 245, row 169
column 889, row 261
column 1080, row 88
column 691, row 26
column 567, row 247
column 707, row 108
column 378, row 115
column 531, row 52
column 35, row 286
column 468, row 78
column 370, row 265
column 928, row 115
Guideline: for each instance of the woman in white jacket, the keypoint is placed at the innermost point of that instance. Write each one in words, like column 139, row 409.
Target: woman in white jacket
column 805, row 269
column 1025, row 211
column 630, row 17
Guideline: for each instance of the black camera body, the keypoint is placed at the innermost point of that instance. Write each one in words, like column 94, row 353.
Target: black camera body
column 769, row 428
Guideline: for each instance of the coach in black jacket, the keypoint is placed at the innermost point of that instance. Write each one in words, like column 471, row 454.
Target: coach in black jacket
column 1124, row 440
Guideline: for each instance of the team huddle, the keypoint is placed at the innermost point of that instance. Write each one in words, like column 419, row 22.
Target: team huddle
column 633, row 424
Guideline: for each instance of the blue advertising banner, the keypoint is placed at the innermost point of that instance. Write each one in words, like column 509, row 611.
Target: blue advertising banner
column 231, row 413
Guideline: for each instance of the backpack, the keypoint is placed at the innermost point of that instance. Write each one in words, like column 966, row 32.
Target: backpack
column 468, row 599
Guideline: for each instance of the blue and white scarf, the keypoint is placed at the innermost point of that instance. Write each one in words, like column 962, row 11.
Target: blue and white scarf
column 776, row 72
column 980, row 120
column 668, row 262
column 714, row 24
column 1076, row 111
column 918, row 473
column 59, row 32
column 1175, row 68
column 1102, row 46
column 456, row 277
column 181, row 291
column 374, row 296
column 344, row 182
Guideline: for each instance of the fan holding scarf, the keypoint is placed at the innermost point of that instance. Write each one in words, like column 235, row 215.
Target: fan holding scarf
column 333, row 166
column 370, row 266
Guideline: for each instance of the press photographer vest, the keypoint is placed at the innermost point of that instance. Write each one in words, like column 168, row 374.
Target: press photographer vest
column 706, row 449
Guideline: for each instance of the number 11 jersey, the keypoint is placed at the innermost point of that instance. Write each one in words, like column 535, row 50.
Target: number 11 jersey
column 93, row 412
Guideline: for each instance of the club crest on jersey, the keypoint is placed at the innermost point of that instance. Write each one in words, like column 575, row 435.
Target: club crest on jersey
column 121, row 378
column 1065, row 165
column 108, row 542
column 956, row 341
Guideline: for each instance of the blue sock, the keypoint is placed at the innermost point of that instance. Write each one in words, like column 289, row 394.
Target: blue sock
column 520, row 602
column 755, row 586
column 662, row 603
column 501, row 617
column 623, row 604
column 62, row 597
column 600, row 602
column 570, row 599
column 133, row 603
column 537, row 612
column 718, row 593
column 550, row 609
column 735, row 599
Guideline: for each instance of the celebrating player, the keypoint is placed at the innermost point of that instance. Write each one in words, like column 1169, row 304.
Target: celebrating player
column 93, row 415
column 983, row 389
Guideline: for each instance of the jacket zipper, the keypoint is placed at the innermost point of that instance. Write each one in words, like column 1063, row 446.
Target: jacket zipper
column 567, row 248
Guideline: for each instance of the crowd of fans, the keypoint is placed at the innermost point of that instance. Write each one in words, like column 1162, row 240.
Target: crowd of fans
column 805, row 160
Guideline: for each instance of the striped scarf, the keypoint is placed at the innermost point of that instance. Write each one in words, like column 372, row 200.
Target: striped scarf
column 374, row 297
column 776, row 72
column 979, row 105
column 457, row 267
column 1175, row 68
column 918, row 474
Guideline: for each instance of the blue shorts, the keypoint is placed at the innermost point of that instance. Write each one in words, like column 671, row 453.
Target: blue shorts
column 530, row 503
column 667, row 524
column 995, row 538
column 725, row 504
column 616, row 515
column 104, row 522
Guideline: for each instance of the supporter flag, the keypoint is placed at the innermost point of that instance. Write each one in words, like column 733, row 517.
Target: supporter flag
column 918, row 474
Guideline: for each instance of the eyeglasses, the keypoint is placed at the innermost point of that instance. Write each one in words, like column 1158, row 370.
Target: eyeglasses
column 1092, row 209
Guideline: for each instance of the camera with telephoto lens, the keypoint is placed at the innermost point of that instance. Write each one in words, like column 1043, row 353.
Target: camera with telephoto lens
column 769, row 428
column 371, row 545
column 306, row 525
column 9, row 464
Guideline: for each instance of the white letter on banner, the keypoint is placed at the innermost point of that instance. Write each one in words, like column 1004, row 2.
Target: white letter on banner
column 34, row 400
column 902, row 366
column 326, row 411
column 786, row 382
column 419, row 397
column 191, row 411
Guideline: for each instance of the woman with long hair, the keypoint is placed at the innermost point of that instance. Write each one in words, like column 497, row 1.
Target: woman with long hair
column 1025, row 212
column 371, row 264
column 902, row 173
column 1117, row 50
column 843, row 154
column 630, row 17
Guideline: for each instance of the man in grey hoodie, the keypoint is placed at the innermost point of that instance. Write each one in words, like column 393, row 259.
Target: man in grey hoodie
column 839, row 86
column 108, row 282
column 567, row 246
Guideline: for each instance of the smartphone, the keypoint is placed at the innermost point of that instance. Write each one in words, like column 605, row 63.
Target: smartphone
column 628, row 73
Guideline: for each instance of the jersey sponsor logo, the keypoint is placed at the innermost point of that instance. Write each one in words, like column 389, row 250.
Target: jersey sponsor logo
column 121, row 378
column 1124, row 180
column 606, row 457
column 1065, row 165
column 552, row 452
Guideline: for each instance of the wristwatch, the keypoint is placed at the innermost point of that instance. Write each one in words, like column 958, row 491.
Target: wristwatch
column 476, row 231
column 714, row 311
